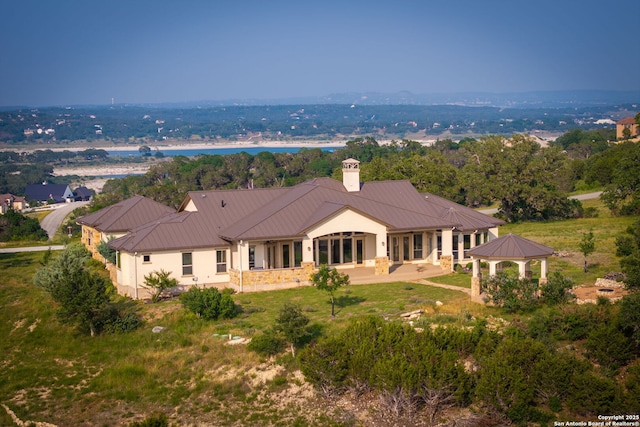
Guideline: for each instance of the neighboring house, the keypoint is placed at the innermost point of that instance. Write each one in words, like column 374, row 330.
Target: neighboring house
column 59, row 193
column 627, row 123
column 116, row 220
column 275, row 237
column 9, row 201
column 83, row 194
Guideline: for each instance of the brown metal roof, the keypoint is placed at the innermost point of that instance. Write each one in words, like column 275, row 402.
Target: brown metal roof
column 125, row 215
column 511, row 247
column 221, row 216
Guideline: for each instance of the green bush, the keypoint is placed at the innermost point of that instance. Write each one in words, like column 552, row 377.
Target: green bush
column 267, row 344
column 209, row 303
column 557, row 290
column 155, row 420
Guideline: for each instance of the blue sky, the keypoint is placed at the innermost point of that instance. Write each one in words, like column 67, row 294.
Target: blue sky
column 70, row 52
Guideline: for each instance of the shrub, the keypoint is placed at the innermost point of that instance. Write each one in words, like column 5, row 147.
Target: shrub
column 155, row 420
column 209, row 303
column 557, row 290
column 511, row 293
column 158, row 282
column 267, row 344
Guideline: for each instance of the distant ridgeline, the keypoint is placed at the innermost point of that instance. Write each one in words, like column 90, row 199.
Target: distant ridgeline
column 284, row 122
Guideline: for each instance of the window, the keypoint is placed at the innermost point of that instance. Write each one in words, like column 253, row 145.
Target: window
column 146, row 258
column 252, row 257
column 286, row 256
column 118, row 263
column 335, row 251
column 467, row 244
column 417, row 246
column 187, row 264
column 297, row 254
column 221, row 261
column 347, row 250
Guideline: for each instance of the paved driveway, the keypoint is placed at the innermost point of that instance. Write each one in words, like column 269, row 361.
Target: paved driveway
column 52, row 222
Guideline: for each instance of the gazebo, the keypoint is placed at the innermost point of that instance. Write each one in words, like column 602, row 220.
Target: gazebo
column 508, row 248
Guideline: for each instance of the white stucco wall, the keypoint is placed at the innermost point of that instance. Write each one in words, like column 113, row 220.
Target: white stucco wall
column 133, row 269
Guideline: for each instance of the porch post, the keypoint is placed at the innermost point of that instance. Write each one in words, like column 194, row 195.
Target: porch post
column 307, row 250
column 543, row 271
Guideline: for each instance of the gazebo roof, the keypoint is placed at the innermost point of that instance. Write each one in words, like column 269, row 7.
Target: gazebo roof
column 511, row 247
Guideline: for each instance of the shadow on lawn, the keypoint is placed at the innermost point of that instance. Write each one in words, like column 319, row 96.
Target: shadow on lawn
column 346, row 300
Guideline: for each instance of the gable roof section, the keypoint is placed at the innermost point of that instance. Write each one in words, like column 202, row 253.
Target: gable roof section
column 172, row 232
column 511, row 246
column 44, row 192
column 125, row 215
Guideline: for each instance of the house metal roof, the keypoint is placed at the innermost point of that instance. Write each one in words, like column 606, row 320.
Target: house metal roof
column 214, row 218
column 44, row 192
column 125, row 215
column 511, row 247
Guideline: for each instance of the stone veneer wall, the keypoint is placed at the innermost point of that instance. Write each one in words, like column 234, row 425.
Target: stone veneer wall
column 382, row 266
column 272, row 279
column 446, row 262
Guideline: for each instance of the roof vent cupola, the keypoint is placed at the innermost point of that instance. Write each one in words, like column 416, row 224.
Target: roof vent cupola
column 351, row 175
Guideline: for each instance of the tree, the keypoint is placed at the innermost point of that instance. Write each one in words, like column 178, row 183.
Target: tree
column 329, row 280
column 618, row 170
column 628, row 248
column 81, row 294
column 15, row 226
column 529, row 182
column 292, row 323
column 158, row 282
column 587, row 246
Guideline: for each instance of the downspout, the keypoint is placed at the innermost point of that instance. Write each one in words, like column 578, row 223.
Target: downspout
column 240, row 267
column 135, row 273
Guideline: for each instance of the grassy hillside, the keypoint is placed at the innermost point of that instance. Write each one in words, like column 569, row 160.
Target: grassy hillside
column 51, row 373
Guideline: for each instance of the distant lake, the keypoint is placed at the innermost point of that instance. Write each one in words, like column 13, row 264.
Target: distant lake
column 190, row 152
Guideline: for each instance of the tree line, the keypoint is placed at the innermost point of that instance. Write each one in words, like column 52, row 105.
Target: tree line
column 527, row 181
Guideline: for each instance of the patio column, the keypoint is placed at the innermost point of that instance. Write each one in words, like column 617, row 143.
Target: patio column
column 475, row 279
column 307, row 250
column 543, row 271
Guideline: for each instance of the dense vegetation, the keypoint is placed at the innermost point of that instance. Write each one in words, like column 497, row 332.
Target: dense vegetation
column 282, row 122
column 15, row 227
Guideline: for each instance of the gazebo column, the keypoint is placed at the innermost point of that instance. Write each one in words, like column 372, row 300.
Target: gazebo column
column 524, row 269
column 475, row 278
column 543, row 271
column 495, row 267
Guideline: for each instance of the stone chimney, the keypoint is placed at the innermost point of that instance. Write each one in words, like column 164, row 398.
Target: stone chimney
column 351, row 175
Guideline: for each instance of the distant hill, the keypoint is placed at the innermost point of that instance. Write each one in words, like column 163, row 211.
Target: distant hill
column 340, row 116
column 539, row 99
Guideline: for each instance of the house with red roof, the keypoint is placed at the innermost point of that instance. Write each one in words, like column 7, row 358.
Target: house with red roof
column 271, row 238
column 630, row 124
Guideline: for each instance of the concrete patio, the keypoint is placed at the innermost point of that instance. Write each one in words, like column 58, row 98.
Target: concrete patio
column 397, row 273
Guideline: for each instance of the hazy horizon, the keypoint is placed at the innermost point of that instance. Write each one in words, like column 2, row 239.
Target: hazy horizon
column 74, row 52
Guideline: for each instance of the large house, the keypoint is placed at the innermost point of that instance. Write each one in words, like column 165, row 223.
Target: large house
column 630, row 124
column 45, row 192
column 275, row 237
column 9, row 201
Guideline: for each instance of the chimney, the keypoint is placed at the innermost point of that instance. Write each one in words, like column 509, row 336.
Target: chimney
column 351, row 175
